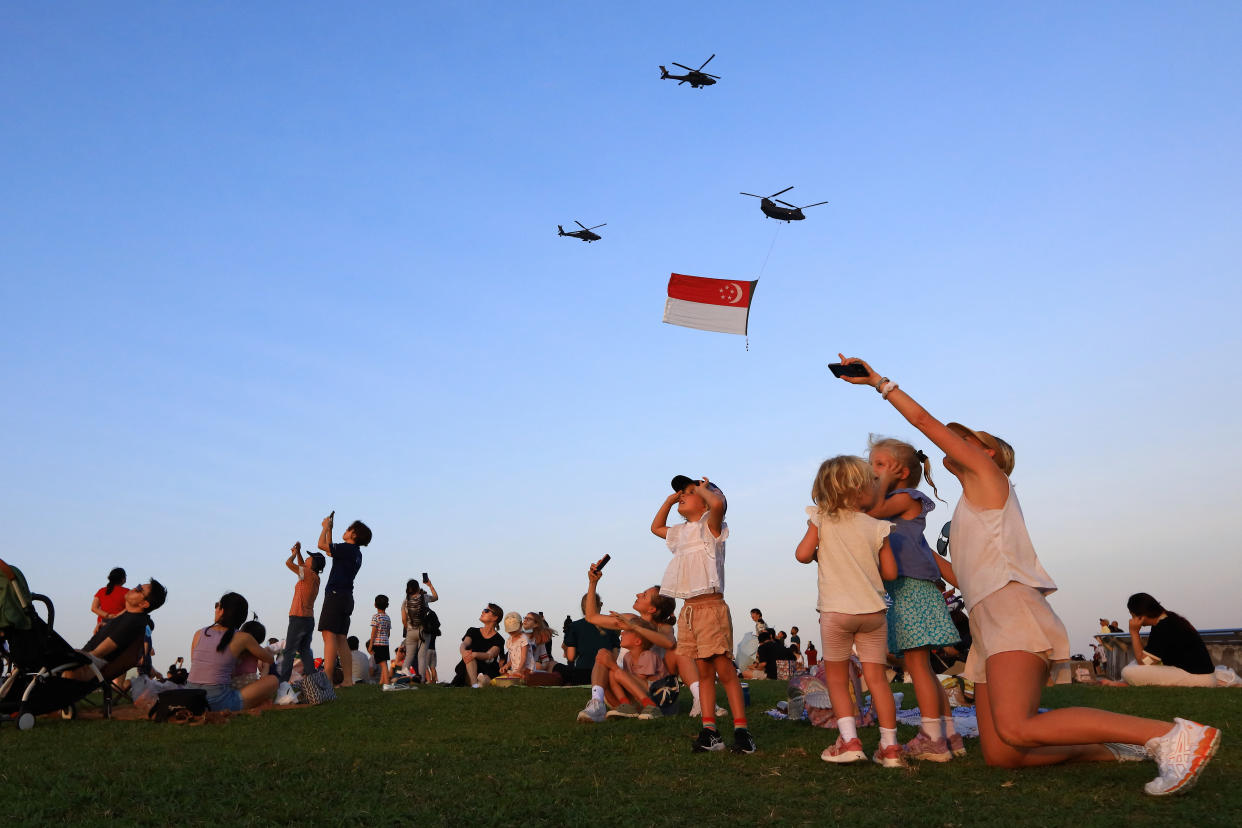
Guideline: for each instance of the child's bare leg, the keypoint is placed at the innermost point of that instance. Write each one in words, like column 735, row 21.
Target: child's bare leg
column 927, row 691
column 614, row 689
column 1014, row 734
column 723, row 667
column 707, row 690
column 881, row 693
column 838, row 675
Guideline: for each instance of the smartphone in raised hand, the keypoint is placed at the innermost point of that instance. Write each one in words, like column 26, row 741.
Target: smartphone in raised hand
column 853, row 369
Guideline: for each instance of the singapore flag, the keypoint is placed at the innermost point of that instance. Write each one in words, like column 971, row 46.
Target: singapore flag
column 709, row 304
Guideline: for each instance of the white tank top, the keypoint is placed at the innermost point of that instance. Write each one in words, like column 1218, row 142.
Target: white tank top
column 991, row 547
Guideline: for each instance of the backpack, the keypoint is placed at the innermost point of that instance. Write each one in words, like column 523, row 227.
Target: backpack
column 416, row 609
column 178, row 705
column 431, row 623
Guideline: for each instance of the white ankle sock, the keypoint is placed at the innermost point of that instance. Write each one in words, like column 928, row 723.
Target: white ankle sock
column 848, row 727
column 949, row 728
column 888, row 736
column 694, row 691
column 597, row 692
column 932, row 728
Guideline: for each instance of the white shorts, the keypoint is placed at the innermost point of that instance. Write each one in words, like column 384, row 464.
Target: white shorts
column 1015, row 618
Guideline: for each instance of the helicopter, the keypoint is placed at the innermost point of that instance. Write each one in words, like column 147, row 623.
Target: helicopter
column 787, row 213
column 585, row 233
column 695, row 77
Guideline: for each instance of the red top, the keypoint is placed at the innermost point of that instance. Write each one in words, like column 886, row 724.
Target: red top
column 113, row 604
column 304, row 594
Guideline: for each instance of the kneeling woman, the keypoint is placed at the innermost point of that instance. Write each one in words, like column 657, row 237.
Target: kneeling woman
column 215, row 653
column 1175, row 655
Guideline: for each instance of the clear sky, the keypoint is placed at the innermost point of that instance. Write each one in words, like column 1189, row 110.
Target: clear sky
column 262, row 262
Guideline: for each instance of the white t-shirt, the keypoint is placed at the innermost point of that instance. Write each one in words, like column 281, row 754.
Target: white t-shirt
column 848, row 558
column 697, row 567
column 361, row 666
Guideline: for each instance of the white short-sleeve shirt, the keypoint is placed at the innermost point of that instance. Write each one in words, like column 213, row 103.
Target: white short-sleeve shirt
column 848, row 558
column 697, row 567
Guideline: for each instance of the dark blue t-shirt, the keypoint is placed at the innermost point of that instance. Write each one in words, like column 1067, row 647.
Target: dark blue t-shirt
column 346, row 561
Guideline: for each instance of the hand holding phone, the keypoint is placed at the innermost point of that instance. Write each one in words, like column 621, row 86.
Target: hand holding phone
column 603, row 562
column 854, row 369
column 425, row 581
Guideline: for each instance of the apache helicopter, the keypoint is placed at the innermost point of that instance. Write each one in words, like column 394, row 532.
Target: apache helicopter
column 695, row 77
column 787, row 213
column 585, row 233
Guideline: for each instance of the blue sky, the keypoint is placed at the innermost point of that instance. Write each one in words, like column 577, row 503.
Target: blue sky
column 261, row 263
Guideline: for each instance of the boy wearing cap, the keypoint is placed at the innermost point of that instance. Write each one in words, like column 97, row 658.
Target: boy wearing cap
column 704, row 627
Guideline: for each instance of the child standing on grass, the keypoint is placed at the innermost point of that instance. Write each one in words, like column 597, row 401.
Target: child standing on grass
column 853, row 554
column 1016, row 633
column 704, row 627
column 919, row 618
column 381, row 629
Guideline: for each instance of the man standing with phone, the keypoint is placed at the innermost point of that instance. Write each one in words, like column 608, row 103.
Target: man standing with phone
column 338, row 599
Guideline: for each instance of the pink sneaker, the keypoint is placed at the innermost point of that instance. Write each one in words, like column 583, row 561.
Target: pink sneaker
column 925, row 748
column 890, row 757
column 843, row 752
column 957, row 746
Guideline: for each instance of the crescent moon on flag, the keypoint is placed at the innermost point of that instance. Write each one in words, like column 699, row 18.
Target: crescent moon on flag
column 739, row 295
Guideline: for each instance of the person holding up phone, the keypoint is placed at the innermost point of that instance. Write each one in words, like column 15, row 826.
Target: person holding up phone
column 1016, row 633
column 413, row 616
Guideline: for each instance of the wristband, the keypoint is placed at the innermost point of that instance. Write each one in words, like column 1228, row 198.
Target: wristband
column 889, row 387
column 880, row 383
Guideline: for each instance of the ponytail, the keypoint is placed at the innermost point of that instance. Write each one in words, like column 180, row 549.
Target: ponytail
column 927, row 467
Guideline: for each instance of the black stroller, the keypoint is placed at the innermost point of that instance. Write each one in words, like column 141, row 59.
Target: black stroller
column 36, row 657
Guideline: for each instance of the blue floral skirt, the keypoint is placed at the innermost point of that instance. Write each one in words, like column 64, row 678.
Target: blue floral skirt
column 919, row 616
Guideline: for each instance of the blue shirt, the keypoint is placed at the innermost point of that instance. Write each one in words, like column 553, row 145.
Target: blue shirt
column 346, row 561
column 915, row 559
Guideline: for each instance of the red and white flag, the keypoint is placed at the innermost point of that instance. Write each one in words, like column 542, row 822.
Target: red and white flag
column 709, row 304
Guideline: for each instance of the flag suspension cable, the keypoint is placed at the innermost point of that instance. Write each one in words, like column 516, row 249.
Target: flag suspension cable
column 764, row 267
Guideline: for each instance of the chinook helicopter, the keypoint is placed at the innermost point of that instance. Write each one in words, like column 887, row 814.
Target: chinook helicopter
column 787, row 213
column 697, row 78
column 585, row 233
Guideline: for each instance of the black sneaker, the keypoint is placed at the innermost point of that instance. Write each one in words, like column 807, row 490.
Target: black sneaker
column 708, row 740
column 743, row 742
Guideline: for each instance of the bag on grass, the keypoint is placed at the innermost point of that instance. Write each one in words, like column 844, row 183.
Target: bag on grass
column 179, row 705
column 316, row 689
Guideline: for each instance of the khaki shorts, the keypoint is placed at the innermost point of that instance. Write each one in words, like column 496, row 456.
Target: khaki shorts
column 705, row 628
column 1015, row 618
column 841, row 633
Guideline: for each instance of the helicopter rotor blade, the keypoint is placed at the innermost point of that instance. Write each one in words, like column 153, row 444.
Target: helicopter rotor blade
column 683, row 66
column 580, row 224
column 786, row 203
column 752, row 195
column 710, row 75
column 787, row 189
column 816, row 204
column 605, row 224
column 709, row 60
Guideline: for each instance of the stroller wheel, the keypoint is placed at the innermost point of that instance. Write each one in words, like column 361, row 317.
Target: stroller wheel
column 25, row 721
column 70, row 712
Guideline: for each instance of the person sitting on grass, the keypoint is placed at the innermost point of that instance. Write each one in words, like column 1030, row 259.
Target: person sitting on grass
column 519, row 652
column 583, row 640
column 479, row 650
column 247, row 670
column 631, row 679
column 1174, row 656
column 117, row 635
column 215, row 652
column 360, row 661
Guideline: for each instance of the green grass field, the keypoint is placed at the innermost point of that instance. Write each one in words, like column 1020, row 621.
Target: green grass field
column 516, row 756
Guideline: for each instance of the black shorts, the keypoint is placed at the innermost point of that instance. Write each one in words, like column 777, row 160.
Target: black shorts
column 380, row 652
column 334, row 615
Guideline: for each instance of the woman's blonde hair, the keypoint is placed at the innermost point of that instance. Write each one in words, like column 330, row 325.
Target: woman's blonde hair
column 909, row 458
column 841, row 483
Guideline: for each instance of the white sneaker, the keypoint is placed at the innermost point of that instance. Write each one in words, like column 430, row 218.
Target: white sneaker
column 1181, row 755
column 595, row 711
